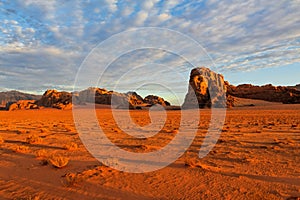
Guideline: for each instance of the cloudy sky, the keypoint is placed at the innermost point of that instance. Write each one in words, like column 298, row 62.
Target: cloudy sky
column 44, row 43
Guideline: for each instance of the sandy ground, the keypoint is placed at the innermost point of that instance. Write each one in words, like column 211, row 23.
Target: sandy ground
column 256, row 157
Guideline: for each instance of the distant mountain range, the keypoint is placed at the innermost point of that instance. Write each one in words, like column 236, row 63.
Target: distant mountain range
column 13, row 96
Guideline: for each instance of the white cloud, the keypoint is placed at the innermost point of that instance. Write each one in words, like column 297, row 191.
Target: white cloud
column 13, row 22
column 140, row 18
column 147, row 5
column 112, row 5
column 164, row 17
column 127, row 11
column 237, row 35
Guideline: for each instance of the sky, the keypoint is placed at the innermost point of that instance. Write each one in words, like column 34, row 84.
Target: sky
column 45, row 44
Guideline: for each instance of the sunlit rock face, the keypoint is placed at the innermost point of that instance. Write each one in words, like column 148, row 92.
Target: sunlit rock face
column 206, row 89
column 55, row 99
column 22, row 105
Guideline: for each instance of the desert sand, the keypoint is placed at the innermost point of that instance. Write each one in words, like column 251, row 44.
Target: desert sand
column 257, row 157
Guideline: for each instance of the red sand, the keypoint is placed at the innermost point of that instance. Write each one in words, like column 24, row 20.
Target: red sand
column 256, row 157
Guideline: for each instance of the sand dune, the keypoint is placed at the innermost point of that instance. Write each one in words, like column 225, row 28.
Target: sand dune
column 256, row 157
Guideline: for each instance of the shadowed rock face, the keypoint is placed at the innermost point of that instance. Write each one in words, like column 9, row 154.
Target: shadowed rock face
column 153, row 100
column 206, row 89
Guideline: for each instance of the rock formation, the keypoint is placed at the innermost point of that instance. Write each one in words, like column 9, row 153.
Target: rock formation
column 153, row 100
column 55, row 99
column 267, row 93
column 134, row 98
column 103, row 96
column 118, row 100
column 22, row 105
column 206, row 89
column 297, row 87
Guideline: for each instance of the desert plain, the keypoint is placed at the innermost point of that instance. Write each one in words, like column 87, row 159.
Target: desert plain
column 256, row 157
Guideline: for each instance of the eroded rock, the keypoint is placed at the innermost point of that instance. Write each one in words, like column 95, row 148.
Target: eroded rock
column 153, row 100
column 21, row 105
column 55, row 99
column 206, row 90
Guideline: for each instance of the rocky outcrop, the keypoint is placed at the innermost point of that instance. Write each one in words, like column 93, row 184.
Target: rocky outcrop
column 153, row 100
column 103, row 96
column 55, row 99
column 65, row 100
column 206, row 89
column 96, row 95
column 21, row 105
column 267, row 93
column 118, row 100
column 134, row 98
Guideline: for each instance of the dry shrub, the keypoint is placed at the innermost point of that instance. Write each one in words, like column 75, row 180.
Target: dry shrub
column 58, row 161
column 22, row 149
column 33, row 139
column 71, row 146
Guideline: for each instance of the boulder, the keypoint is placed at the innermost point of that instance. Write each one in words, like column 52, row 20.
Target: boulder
column 13, row 107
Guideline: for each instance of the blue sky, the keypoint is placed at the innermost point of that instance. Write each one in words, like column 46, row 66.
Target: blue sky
column 43, row 43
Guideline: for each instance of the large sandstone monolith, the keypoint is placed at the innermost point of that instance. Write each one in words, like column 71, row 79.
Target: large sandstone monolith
column 206, row 90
